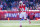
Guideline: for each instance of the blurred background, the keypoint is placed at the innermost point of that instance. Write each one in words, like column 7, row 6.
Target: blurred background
column 11, row 4
column 9, row 14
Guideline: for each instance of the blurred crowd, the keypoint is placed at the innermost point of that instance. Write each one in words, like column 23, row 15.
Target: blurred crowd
column 14, row 4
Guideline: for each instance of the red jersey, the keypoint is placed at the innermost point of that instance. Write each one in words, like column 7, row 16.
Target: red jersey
column 22, row 7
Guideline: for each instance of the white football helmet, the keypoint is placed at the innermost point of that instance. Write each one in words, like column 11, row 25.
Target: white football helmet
column 20, row 2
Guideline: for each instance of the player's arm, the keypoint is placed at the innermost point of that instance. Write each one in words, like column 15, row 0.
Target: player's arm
column 19, row 9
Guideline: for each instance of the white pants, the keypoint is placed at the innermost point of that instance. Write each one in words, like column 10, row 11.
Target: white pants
column 23, row 14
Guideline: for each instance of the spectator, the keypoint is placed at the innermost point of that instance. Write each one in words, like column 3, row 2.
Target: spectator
column 1, row 6
column 39, row 7
column 5, row 6
column 14, row 9
column 30, row 8
column 33, row 8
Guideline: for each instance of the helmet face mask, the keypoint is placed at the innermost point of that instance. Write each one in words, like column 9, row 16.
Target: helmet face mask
column 20, row 3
